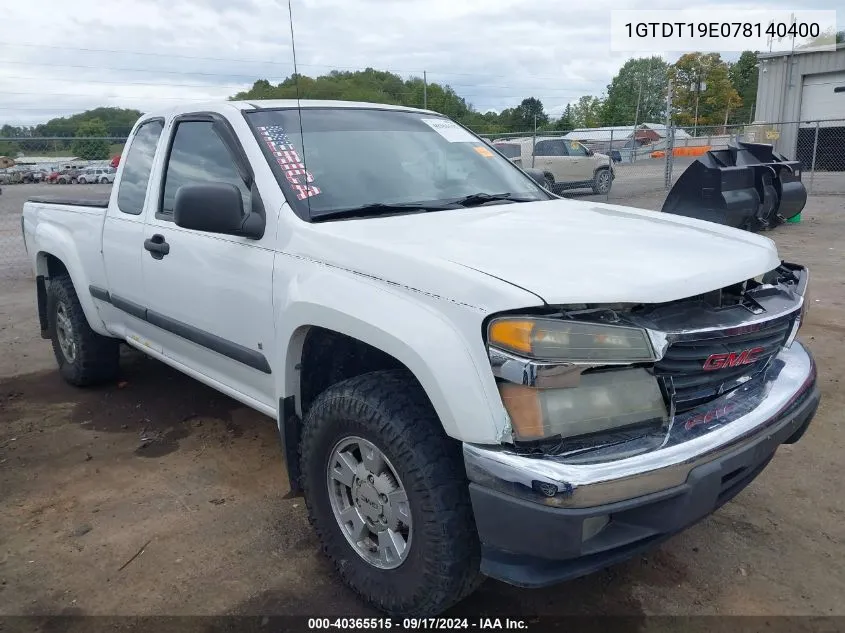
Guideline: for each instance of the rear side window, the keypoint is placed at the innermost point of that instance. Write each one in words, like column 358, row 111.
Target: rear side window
column 550, row 148
column 136, row 171
column 511, row 150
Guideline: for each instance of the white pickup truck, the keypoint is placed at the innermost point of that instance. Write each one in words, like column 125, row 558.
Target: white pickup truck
column 471, row 376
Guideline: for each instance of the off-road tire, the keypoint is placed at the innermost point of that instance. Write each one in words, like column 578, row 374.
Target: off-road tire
column 97, row 356
column 602, row 181
column 389, row 409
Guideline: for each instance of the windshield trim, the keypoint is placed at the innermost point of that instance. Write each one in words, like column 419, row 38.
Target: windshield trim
column 302, row 211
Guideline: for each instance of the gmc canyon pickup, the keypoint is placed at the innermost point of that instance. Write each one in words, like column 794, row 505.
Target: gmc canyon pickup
column 471, row 376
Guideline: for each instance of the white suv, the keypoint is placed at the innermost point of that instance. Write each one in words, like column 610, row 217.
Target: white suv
column 566, row 164
column 102, row 175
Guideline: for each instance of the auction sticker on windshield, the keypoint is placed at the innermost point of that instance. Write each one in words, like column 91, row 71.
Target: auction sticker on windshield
column 450, row 130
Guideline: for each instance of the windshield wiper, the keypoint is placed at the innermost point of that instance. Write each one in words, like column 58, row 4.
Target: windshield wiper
column 476, row 199
column 379, row 209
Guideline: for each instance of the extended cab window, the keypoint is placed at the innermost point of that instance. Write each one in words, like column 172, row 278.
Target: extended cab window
column 198, row 155
column 136, row 171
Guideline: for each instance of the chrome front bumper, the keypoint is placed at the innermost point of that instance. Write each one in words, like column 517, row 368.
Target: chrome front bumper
column 758, row 409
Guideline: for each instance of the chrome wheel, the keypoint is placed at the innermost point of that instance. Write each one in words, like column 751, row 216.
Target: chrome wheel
column 64, row 332
column 369, row 502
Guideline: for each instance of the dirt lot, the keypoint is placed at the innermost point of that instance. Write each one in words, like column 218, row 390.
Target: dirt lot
column 161, row 464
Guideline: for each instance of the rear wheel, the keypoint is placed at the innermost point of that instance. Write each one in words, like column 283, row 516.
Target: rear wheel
column 602, row 181
column 387, row 495
column 84, row 357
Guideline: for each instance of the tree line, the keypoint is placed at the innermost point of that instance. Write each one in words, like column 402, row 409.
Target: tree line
column 707, row 91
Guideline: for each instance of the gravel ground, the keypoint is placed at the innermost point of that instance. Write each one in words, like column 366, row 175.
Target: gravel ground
column 161, row 464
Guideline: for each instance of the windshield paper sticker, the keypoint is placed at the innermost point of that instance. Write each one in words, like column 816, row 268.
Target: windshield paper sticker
column 450, row 130
column 483, row 151
column 287, row 158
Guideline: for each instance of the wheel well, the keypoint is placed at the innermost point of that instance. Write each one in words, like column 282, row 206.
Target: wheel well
column 50, row 265
column 329, row 357
column 47, row 266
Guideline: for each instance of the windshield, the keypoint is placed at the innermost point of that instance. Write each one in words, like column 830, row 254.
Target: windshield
column 358, row 157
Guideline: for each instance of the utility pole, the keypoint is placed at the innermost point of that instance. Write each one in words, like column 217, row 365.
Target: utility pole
column 669, row 137
column 425, row 91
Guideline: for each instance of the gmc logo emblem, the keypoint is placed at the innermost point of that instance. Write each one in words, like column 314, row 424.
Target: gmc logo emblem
column 734, row 359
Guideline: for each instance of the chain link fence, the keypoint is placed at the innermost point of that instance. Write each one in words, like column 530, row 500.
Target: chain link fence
column 645, row 161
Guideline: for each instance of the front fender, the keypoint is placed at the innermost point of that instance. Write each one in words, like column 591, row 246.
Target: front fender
column 409, row 327
column 57, row 241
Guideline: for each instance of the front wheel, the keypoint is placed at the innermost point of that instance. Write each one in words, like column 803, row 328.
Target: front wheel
column 387, row 495
column 84, row 357
column 602, row 181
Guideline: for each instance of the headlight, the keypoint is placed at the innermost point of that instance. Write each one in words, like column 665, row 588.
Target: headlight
column 571, row 341
column 603, row 401
column 584, row 403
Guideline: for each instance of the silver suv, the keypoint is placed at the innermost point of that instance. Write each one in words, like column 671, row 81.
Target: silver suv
column 566, row 164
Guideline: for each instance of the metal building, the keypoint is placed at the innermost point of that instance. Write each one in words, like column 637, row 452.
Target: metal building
column 803, row 94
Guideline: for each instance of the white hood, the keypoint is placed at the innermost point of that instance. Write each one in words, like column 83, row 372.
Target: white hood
column 563, row 251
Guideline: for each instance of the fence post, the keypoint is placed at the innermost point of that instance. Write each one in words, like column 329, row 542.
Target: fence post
column 610, row 166
column 813, row 164
column 669, row 138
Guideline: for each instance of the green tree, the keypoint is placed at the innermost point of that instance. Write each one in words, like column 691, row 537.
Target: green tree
column 703, row 92
column 530, row 114
column 642, row 81
column 87, row 145
column 743, row 76
column 564, row 123
column 587, row 112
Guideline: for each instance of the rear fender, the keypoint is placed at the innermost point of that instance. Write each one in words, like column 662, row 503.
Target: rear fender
column 56, row 241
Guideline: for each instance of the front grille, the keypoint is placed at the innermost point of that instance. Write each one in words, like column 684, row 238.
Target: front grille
column 683, row 364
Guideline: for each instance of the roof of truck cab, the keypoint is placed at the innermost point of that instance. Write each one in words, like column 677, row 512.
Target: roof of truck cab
column 269, row 104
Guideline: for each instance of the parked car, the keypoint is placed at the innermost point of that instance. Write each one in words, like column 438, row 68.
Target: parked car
column 102, row 175
column 566, row 164
column 470, row 375
column 68, row 177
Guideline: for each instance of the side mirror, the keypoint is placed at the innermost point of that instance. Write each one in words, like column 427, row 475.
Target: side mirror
column 214, row 207
column 589, row 151
column 537, row 176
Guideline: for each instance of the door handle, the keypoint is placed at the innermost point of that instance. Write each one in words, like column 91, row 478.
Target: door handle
column 157, row 246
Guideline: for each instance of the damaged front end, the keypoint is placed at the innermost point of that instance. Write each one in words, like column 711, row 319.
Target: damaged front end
column 591, row 384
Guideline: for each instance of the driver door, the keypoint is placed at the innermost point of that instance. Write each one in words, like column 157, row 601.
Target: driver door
column 209, row 294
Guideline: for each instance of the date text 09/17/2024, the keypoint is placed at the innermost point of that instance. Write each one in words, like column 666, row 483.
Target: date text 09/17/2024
column 413, row 624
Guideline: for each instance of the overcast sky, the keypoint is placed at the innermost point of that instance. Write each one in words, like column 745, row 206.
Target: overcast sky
column 59, row 57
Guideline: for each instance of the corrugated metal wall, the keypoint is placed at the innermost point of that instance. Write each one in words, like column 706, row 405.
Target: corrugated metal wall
column 779, row 93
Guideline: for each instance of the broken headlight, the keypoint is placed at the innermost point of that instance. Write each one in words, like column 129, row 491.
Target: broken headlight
column 595, row 396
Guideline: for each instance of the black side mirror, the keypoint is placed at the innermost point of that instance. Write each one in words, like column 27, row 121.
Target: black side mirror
column 589, row 151
column 537, row 176
column 215, row 207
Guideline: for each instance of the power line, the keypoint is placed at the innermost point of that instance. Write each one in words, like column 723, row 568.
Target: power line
column 254, row 61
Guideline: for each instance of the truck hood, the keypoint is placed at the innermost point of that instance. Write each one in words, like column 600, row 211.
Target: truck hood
column 563, row 251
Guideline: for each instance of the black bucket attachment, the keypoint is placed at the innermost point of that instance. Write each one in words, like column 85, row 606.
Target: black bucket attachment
column 747, row 186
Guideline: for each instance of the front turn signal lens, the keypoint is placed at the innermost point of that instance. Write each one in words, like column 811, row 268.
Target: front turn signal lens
column 512, row 334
